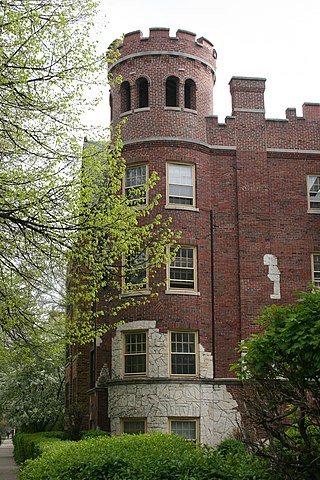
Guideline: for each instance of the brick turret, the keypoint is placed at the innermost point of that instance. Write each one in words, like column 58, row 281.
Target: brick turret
column 162, row 60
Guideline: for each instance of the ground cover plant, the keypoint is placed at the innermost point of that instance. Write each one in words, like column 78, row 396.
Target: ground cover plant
column 142, row 457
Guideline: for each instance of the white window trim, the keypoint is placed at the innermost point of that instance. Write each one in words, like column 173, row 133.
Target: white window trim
column 196, row 353
column 196, row 420
column 123, row 342
column 310, row 209
column 184, row 291
column 136, row 165
column 180, row 206
column 313, row 270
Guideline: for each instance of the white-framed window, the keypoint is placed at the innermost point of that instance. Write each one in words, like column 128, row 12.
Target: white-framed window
column 135, row 272
column 313, row 182
column 134, row 425
column 180, row 185
column 182, row 272
column 135, row 185
column 315, row 267
column 135, row 353
column 183, row 353
column 187, row 428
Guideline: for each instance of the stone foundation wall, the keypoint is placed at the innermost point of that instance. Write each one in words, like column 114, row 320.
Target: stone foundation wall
column 158, row 402
column 158, row 397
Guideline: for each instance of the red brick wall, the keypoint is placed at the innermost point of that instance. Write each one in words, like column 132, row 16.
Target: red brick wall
column 250, row 172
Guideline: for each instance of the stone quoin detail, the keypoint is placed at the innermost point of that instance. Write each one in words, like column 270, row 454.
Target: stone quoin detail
column 273, row 274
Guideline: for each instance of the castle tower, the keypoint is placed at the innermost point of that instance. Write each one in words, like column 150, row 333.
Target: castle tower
column 167, row 94
column 245, row 194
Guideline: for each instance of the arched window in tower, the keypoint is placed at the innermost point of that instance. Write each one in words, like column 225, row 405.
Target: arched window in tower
column 172, row 92
column 125, row 92
column 111, row 106
column 190, row 94
column 143, row 92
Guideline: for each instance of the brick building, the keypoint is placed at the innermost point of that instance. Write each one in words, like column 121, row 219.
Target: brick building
column 246, row 196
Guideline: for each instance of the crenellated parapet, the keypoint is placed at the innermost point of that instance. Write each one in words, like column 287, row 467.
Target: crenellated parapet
column 160, row 42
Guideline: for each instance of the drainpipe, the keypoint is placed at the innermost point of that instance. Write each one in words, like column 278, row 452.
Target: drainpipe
column 212, row 227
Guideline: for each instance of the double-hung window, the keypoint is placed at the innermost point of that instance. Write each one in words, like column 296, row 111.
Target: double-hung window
column 313, row 193
column 182, row 270
column 180, row 185
column 136, row 184
column 183, row 354
column 315, row 259
column 135, row 353
column 135, row 272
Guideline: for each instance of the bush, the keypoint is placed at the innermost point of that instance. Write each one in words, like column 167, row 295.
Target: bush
column 94, row 434
column 231, row 447
column 141, row 457
column 31, row 445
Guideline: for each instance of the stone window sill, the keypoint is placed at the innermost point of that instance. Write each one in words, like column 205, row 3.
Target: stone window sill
column 182, row 292
column 138, row 293
column 190, row 208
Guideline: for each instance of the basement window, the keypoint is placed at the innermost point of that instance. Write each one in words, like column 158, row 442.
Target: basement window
column 187, row 428
column 172, row 92
column 134, row 426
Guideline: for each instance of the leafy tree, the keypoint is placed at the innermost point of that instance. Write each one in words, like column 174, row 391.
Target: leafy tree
column 59, row 204
column 31, row 382
column 281, row 372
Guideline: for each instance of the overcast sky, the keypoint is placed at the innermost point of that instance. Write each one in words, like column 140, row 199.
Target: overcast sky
column 275, row 39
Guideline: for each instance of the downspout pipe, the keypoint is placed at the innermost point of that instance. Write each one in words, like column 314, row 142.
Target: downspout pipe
column 212, row 228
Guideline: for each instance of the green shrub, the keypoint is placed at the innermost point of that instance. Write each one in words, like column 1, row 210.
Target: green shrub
column 141, row 457
column 94, row 434
column 231, row 447
column 31, row 445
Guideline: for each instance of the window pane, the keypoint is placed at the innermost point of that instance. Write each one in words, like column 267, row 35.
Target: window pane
column 135, row 364
column 135, row 343
column 135, row 184
column 180, row 184
column 134, row 426
column 316, row 270
column 182, row 269
column 314, row 191
column 184, row 428
column 183, row 353
column 180, row 174
column 183, row 364
column 136, row 272
column 135, row 353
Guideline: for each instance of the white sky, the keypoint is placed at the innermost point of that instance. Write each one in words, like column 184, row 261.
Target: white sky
column 274, row 39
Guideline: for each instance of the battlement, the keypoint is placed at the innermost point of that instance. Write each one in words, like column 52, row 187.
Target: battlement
column 160, row 42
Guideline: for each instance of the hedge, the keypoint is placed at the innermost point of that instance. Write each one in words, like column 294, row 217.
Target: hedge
column 143, row 457
column 32, row 445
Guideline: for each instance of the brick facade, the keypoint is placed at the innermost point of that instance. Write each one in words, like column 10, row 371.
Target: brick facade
column 251, row 208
